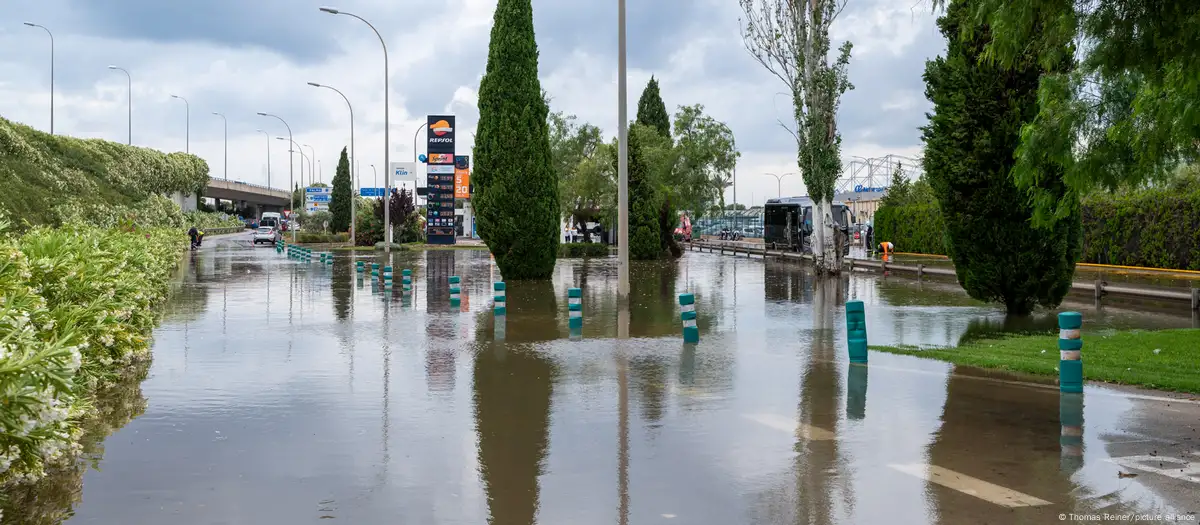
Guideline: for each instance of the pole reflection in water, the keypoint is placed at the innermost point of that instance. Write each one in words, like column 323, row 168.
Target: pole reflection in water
column 512, row 397
column 623, row 436
column 1070, row 415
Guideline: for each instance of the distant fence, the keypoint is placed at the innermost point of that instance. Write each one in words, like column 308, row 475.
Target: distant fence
column 748, row 222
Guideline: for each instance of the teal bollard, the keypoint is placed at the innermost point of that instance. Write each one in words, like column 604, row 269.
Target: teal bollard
column 1070, row 352
column 406, row 281
column 575, row 308
column 455, row 291
column 1070, row 415
column 374, row 271
column 687, row 307
column 387, row 277
column 500, row 299
column 856, row 331
column 359, row 267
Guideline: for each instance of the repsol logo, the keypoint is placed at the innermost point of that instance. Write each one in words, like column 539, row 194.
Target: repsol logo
column 433, row 140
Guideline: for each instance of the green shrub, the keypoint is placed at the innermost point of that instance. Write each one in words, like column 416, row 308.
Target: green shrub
column 53, row 179
column 343, row 193
column 203, row 220
column 582, row 249
column 914, row 228
column 306, row 237
column 516, row 189
column 645, row 199
column 77, row 305
column 369, row 224
column 1157, row 228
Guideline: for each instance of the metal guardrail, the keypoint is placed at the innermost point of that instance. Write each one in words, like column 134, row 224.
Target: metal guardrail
column 1098, row 288
column 223, row 231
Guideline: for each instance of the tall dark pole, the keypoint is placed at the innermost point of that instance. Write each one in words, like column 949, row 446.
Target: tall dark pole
column 622, row 160
column 31, row 24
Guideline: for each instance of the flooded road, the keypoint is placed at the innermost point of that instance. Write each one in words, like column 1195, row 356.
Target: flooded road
column 284, row 392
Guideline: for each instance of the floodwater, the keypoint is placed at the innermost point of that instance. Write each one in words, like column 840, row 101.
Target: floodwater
column 284, row 392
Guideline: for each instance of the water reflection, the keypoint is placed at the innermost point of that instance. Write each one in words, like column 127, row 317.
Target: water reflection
column 652, row 299
column 52, row 500
column 512, row 392
column 856, row 391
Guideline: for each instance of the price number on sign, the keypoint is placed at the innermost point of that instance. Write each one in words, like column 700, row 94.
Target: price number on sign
column 461, row 189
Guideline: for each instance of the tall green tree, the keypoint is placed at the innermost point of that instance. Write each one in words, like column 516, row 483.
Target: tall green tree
column 979, row 109
column 584, row 190
column 791, row 40
column 705, row 155
column 652, row 111
column 343, row 191
column 516, row 187
column 1126, row 115
column 645, row 196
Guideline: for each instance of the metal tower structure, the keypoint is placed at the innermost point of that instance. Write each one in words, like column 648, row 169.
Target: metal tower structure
column 877, row 172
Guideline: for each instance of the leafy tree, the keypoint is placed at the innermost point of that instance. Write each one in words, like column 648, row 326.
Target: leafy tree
column 1125, row 115
column 403, row 215
column 583, row 190
column 791, row 40
column 516, row 187
column 343, row 192
column 645, row 197
column 704, row 157
column 978, row 113
column 652, row 111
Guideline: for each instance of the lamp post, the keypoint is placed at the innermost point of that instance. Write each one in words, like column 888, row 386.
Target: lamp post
column 779, row 183
column 268, row 156
column 31, row 24
column 415, row 135
column 226, row 121
column 129, row 100
column 187, row 124
column 353, row 157
column 622, row 160
column 376, row 172
column 303, row 159
column 387, row 215
column 312, row 174
column 291, row 199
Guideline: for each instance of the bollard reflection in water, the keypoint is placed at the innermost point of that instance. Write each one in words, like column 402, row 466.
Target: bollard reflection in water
column 1070, row 415
column 856, row 391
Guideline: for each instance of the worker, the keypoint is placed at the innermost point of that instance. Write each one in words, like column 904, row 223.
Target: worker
column 887, row 248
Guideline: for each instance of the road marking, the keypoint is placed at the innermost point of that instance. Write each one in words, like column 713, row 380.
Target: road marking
column 968, row 485
column 784, row 424
column 1183, row 469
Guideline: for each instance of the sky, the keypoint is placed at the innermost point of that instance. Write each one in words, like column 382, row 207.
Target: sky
column 239, row 58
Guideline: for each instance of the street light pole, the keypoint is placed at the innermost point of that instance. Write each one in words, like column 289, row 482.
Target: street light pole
column 292, row 198
column 779, row 183
column 312, row 175
column 622, row 161
column 226, row 143
column 129, row 101
column 303, row 159
column 268, row 157
column 376, row 172
column 353, row 159
column 415, row 135
column 387, row 208
column 31, row 24
column 187, row 124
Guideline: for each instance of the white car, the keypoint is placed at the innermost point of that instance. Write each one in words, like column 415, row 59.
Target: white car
column 265, row 234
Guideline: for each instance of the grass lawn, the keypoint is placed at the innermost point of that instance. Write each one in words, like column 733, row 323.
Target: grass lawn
column 1164, row 360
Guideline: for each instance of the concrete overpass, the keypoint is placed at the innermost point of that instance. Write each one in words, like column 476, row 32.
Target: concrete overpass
column 246, row 196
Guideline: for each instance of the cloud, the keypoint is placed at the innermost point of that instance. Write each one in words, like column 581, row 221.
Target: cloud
column 239, row 58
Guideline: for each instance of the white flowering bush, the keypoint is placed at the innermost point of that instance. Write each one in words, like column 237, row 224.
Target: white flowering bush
column 203, row 219
column 77, row 305
column 51, row 179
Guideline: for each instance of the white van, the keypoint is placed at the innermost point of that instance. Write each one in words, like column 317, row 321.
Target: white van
column 271, row 219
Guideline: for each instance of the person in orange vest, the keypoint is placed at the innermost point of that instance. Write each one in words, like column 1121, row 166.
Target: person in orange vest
column 887, row 248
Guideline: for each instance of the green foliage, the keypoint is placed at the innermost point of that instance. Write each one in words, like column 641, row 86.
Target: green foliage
column 406, row 222
column 48, row 179
column 1125, row 115
column 369, row 224
column 343, row 193
column 652, row 111
column 1157, row 228
column 77, row 305
column 307, row 237
column 978, row 112
column 586, row 188
column 202, row 220
column 704, row 157
column 582, row 249
column 914, row 228
column 516, row 188
column 645, row 197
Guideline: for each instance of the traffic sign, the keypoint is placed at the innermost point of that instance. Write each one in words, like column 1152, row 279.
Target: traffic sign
column 320, row 197
column 373, row 192
column 318, row 190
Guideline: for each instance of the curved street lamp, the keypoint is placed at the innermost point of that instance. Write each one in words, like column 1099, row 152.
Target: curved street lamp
column 779, row 183
column 353, row 158
column 387, row 215
column 292, row 198
column 268, row 156
column 31, row 24
column 187, row 124
column 129, row 101
column 226, row 121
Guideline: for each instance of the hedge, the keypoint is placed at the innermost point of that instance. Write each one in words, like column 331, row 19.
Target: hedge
column 583, row 249
column 55, row 179
column 1153, row 228
column 304, row 237
column 77, row 305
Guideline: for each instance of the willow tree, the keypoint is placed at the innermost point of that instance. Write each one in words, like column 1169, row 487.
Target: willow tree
column 790, row 38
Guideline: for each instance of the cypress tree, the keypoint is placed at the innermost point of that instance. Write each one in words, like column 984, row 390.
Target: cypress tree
column 652, row 111
column 645, row 199
column 979, row 109
column 516, row 188
column 343, row 191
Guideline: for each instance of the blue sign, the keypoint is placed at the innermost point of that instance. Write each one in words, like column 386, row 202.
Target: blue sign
column 867, row 189
column 311, row 191
column 423, row 158
column 373, row 192
column 320, row 198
